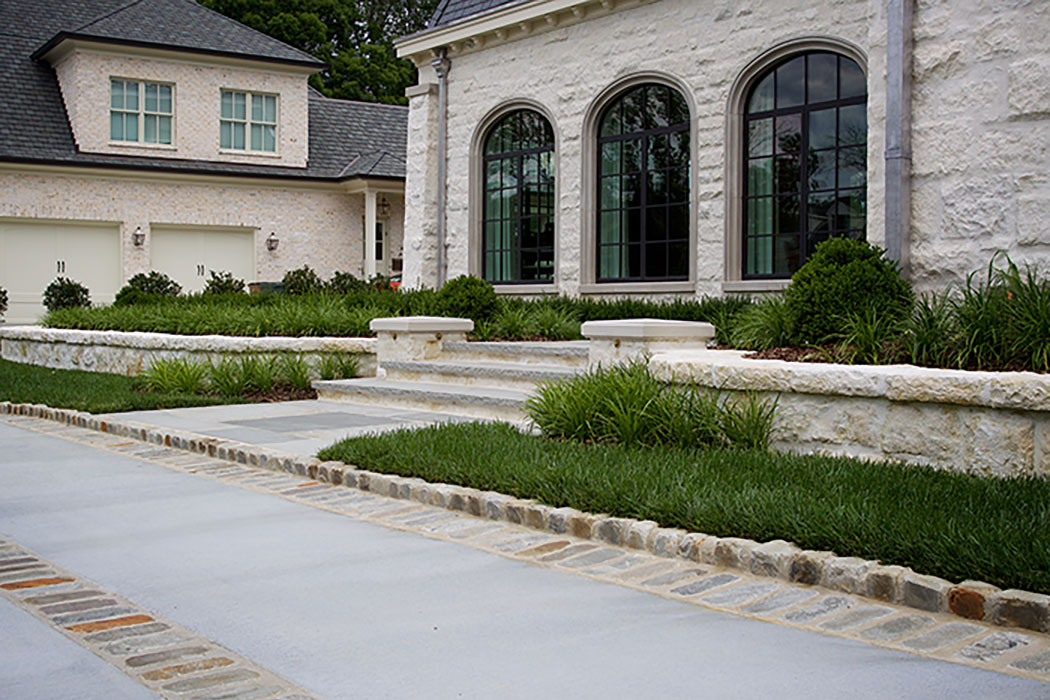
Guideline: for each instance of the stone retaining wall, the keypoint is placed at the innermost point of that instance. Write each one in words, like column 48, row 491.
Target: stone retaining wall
column 995, row 423
column 129, row 353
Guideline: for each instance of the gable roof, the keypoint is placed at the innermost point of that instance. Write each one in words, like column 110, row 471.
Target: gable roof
column 452, row 11
column 346, row 139
column 180, row 25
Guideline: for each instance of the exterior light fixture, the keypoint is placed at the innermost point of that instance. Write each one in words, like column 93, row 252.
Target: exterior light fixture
column 383, row 208
column 138, row 238
column 272, row 241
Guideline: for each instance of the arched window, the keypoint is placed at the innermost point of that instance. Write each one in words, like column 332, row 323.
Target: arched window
column 813, row 104
column 518, row 205
column 643, row 186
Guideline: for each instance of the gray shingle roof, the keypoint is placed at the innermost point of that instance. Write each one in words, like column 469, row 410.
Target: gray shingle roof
column 183, row 24
column 346, row 139
column 452, row 11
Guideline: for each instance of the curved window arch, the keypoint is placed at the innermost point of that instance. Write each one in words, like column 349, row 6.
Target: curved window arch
column 518, row 199
column 815, row 104
column 643, row 186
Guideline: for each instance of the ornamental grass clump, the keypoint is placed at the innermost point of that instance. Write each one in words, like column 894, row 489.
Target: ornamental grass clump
column 763, row 325
column 176, row 375
column 625, row 404
column 338, row 365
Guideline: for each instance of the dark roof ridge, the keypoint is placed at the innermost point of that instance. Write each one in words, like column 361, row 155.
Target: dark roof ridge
column 438, row 11
column 104, row 15
column 241, row 24
column 344, row 100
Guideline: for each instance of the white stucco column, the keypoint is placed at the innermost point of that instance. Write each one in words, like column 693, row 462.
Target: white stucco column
column 370, row 233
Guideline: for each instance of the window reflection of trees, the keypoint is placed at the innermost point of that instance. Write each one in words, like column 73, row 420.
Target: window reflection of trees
column 813, row 104
column 643, row 186
column 518, row 205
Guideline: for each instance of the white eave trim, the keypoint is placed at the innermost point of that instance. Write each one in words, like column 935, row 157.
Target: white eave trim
column 507, row 24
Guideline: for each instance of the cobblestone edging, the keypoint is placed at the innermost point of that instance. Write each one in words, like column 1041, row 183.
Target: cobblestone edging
column 128, row 352
column 165, row 657
column 776, row 559
column 994, row 423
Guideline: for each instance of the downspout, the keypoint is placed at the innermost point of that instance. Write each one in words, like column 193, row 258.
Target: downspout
column 898, row 132
column 442, row 66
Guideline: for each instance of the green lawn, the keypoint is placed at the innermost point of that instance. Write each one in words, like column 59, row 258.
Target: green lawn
column 942, row 523
column 88, row 391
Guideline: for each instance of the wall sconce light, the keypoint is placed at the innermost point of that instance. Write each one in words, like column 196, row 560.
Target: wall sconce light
column 383, row 208
column 272, row 241
column 138, row 238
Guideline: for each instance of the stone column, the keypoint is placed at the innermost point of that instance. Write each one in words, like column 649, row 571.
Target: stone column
column 612, row 342
column 420, row 232
column 414, row 338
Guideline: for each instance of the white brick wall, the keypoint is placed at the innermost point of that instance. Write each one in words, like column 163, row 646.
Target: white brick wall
column 319, row 225
column 85, row 82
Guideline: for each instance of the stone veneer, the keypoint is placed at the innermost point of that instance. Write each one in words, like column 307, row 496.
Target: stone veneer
column 980, row 120
column 993, row 423
column 129, row 353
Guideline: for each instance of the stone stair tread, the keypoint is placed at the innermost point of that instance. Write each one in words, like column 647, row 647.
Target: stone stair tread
column 567, row 348
column 486, row 368
column 425, row 390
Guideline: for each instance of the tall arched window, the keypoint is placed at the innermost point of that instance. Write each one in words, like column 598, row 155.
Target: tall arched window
column 813, row 104
column 643, row 186
column 518, row 205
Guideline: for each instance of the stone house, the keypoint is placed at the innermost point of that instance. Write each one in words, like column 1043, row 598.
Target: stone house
column 160, row 135
column 706, row 146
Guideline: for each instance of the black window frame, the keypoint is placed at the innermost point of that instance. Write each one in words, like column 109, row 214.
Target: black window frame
column 645, row 134
column 806, row 233
column 544, row 254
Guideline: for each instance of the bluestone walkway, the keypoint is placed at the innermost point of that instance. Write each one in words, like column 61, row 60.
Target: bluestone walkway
column 340, row 595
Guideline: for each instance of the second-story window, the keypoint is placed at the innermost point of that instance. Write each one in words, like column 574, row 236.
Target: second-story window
column 140, row 111
column 248, row 121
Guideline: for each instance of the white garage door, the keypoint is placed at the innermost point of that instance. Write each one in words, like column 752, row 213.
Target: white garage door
column 189, row 255
column 33, row 253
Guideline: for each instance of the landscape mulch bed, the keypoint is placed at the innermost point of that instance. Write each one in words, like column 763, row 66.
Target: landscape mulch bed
column 281, row 393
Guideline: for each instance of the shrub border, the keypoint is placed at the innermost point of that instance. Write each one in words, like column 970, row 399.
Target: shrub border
column 973, row 600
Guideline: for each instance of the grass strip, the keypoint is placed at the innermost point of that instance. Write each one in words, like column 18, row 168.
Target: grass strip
column 953, row 525
column 94, row 392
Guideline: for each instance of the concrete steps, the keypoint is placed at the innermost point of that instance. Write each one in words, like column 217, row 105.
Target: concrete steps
column 572, row 353
column 481, row 380
column 460, row 400
column 497, row 375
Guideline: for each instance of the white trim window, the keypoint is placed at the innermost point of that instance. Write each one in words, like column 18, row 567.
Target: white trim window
column 140, row 112
column 248, row 121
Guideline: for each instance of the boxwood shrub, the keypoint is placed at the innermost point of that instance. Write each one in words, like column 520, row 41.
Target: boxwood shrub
column 845, row 278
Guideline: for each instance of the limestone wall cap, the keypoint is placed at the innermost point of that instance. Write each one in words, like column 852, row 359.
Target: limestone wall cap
column 421, row 324
column 138, row 340
column 648, row 329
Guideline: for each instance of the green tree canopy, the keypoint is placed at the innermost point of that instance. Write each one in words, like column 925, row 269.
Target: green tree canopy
column 355, row 38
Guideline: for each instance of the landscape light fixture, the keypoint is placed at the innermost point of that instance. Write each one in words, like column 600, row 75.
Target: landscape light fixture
column 138, row 238
column 272, row 241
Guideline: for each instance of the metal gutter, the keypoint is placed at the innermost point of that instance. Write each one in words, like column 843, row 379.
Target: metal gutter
column 898, row 131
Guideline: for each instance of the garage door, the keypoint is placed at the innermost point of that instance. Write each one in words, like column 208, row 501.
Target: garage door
column 33, row 253
column 188, row 255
